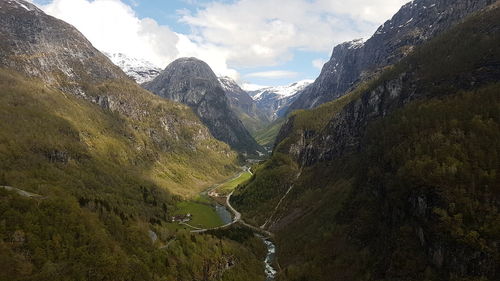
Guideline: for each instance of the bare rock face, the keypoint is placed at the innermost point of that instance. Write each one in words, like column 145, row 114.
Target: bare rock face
column 42, row 46
column 237, row 97
column 356, row 61
column 247, row 110
column 192, row 82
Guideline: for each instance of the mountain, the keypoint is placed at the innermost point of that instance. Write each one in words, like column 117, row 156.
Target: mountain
column 56, row 53
column 397, row 179
column 274, row 101
column 243, row 105
column 140, row 70
column 357, row 61
column 192, row 82
column 99, row 164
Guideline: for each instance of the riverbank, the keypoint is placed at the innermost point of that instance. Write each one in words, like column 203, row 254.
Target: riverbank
column 220, row 203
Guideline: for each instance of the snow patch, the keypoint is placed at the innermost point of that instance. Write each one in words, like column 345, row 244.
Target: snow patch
column 356, row 44
column 140, row 70
column 282, row 91
column 20, row 5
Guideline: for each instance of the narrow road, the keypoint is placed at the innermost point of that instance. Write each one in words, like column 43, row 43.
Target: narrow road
column 237, row 215
column 22, row 192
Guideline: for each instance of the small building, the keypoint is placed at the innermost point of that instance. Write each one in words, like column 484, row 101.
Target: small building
column 181, row 218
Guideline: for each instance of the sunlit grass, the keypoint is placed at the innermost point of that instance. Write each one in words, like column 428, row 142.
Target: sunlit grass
column 229, row 186
column 203, row 215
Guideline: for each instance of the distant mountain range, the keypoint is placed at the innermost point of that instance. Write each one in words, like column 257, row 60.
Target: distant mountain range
column 274, row 101
column 386, row 167
column 255, row 108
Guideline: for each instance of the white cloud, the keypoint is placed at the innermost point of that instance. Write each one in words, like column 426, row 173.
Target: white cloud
column 318, row 63
column 267, row 32
column 209, row 53
column 113, row 26
column 274, row 74
column 227, row 35
column 252, row 87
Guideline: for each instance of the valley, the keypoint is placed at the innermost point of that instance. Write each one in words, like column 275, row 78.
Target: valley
column 383, row 168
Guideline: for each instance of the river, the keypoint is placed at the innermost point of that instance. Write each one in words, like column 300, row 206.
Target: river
column 223, row 213
column 227, row 217
column 269, row 270
column 269, row 260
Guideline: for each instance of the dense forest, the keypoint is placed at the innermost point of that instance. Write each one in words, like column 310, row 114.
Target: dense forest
column 408, row 187
column 97, row 199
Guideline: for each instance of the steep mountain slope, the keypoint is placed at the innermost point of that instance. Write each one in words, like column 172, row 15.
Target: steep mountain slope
column 397, row 180
column 192, row 82
column 357, row 61
column 243, row 105
column 43, row 47
column 140, row 70
column 274, row 101
column 105, row 158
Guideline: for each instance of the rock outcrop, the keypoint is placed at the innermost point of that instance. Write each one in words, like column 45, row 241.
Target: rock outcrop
column 42, row 46
column 192, row 82
column 356, row 61
column 243, row 105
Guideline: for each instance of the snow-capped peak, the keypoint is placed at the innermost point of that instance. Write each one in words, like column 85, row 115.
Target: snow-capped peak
column 281, row 91
column 140, row 70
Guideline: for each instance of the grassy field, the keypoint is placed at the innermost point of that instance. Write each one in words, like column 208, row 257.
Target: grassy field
column 229, row 186
column 267, row 135
column 204, row 215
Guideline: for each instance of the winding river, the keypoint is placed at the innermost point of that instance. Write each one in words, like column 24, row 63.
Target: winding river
column 269, row 270
column 233, row 216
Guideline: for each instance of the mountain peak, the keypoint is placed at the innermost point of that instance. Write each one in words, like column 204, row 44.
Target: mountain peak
column 191, row 81
column 351, row 62
column 274, row 101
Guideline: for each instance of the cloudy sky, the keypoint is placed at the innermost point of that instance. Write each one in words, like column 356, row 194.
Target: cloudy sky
column 263, row 42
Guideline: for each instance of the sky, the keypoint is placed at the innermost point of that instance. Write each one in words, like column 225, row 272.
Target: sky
column 255, row 42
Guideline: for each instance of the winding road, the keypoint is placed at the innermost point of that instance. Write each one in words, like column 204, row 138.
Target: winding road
column 236, row 215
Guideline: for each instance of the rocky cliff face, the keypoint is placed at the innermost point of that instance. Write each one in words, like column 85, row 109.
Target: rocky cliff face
column 378, row 179
column 49, row 50
column 192, row 82
column 356, row 61
column 243, row 105
column 237, row 97
column 45, row 47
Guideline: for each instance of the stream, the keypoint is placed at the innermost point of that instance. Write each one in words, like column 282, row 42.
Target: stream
column 268, row 261
column 227, row 217
column 269, row 270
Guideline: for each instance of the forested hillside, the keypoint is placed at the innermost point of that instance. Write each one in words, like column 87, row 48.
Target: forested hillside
column 398, row 179
column 92, row 167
